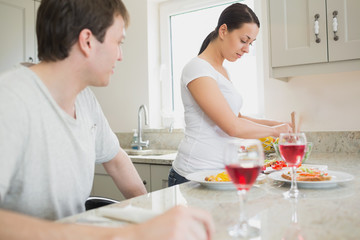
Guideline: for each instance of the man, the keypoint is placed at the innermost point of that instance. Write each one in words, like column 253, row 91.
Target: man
column 52, row 130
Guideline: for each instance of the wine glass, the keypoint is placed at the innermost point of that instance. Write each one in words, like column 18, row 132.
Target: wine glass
column 243, row 162
column 292, row 147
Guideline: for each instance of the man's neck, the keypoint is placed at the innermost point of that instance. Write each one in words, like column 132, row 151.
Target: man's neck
column 63, row 81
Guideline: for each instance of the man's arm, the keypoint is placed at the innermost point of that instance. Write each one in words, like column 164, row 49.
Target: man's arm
column 181, row 223
column 15, row 226
column 125, row 176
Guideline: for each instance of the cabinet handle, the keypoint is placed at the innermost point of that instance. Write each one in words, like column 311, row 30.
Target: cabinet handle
column 144, row 182
column 335, row 25
column 316, row 28
column 30, row 60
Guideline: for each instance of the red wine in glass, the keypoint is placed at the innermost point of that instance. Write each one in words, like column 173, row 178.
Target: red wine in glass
column 293, row 154
column 243, row 177
column 292, row 147
column 243, row 160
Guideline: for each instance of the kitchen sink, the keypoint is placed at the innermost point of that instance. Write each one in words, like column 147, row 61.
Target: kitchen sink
column 149, row 152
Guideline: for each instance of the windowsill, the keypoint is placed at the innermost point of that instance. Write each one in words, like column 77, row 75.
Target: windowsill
column 162, row 130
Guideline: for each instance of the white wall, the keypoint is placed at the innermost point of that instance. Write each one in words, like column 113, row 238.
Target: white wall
column 129, row 85
column 329, row 102
column 154, row 62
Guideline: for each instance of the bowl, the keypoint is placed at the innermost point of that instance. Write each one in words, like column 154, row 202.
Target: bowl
column 309, row 147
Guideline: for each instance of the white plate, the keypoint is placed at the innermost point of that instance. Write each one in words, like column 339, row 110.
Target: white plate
column 337, row 177
column 199, row 177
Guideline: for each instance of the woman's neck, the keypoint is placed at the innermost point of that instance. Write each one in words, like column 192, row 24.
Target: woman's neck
column 213, row 55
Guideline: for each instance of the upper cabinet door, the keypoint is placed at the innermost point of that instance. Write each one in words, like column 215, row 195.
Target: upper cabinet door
column 344, row 18
column 17, row 27
column 292, row 28
column 37, row 5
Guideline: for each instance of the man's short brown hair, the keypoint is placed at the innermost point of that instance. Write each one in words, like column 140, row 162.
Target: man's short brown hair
column 59, row 23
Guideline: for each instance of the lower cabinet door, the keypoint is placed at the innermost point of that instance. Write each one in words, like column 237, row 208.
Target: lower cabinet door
column 159, row 176
column 154, row 177
column 104, row 186
column 144, row 172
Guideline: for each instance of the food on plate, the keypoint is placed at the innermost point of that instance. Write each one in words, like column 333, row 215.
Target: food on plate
column 221, row 177
column 308, row 174
column 269, row 162
column 274, row 164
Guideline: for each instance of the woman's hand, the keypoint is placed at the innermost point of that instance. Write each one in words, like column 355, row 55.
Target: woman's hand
column 282, row 128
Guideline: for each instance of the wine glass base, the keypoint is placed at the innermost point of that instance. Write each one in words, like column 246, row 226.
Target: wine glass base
column 293, row 194
column 243, row 231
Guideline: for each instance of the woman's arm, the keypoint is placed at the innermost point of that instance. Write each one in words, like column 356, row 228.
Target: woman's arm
column 266, row 122
column 207, row 94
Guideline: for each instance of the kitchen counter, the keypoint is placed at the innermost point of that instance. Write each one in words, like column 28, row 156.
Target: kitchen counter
column 165, row 159
column 322, row 214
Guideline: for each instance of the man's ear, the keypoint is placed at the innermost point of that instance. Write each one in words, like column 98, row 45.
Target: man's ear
column 222, row 31
column 85, row 41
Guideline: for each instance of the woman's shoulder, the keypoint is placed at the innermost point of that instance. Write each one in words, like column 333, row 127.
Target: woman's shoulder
column 197, row 62
column 198, row 67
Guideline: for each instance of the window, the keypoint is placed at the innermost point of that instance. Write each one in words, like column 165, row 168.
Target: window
column 183, row 31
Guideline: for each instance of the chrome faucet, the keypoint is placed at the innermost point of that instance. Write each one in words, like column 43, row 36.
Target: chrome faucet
column 171, row 128
column 139, row 144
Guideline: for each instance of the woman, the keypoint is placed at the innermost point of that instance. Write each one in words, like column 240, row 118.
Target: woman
column 210, row 100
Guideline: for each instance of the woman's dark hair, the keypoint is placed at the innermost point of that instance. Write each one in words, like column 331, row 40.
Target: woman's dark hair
column 234, row 17
column 59, row 23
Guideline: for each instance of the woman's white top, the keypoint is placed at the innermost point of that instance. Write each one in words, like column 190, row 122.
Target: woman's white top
column 203, row 144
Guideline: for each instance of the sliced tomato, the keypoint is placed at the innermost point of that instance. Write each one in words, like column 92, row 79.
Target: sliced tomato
column 279, row 165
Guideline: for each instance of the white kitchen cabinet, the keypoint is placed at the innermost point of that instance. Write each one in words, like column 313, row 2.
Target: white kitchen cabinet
column 17, row 27
column 104, row 186
column 154, row 177
column 159, row 176
column 144, row 172
column 297, row 48
column 37, row 5
column 347, row 45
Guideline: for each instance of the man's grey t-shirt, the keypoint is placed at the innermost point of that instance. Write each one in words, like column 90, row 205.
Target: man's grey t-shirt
column 47, row 157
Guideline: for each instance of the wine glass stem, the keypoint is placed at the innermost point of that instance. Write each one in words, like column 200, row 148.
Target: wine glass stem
column 294, row 211
column 293, row 190
column 242, row 202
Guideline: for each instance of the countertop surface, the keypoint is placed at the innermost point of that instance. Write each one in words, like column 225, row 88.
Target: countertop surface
column 324, row 213
column 165, row 159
